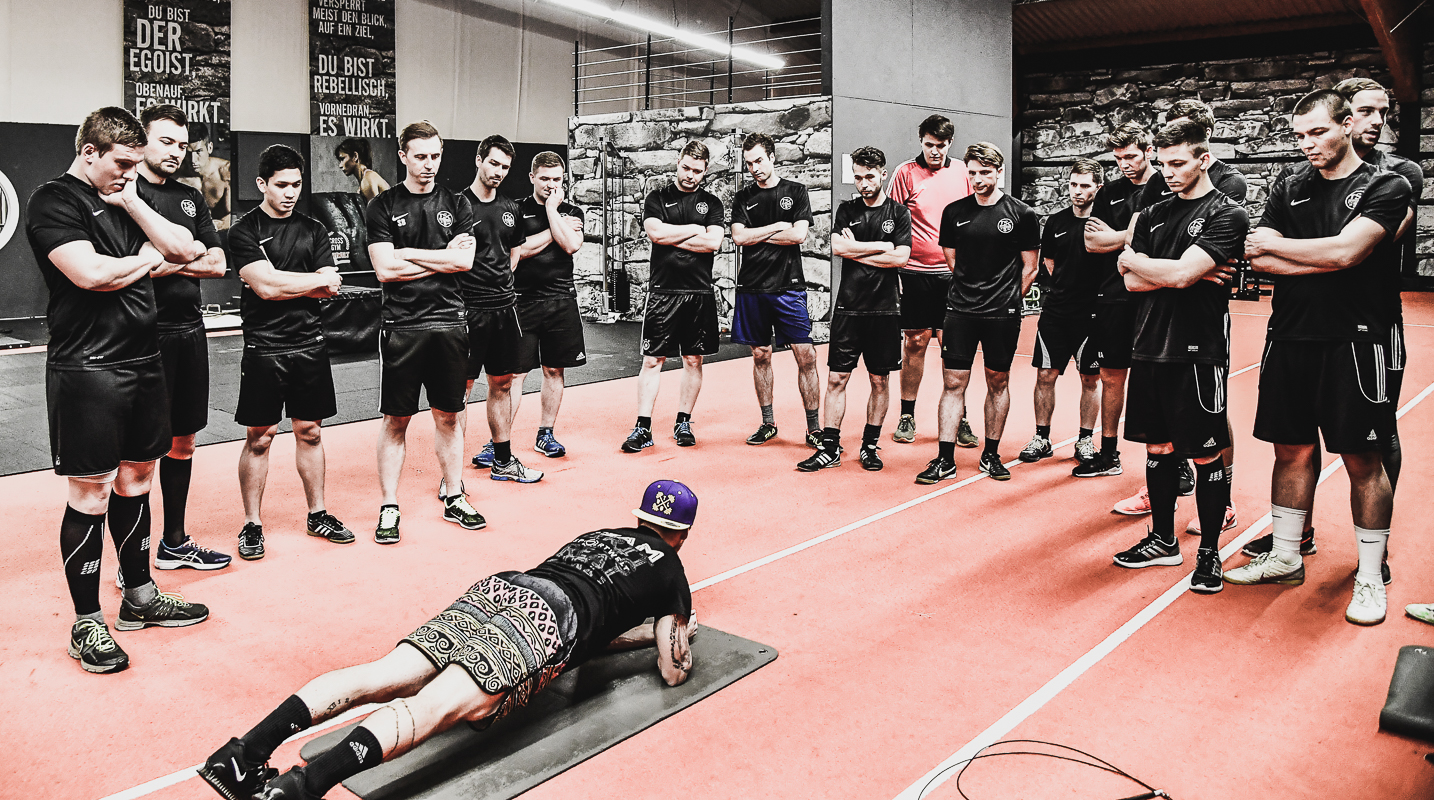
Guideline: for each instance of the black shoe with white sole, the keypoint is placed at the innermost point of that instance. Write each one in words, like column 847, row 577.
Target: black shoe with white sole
column 230, row 774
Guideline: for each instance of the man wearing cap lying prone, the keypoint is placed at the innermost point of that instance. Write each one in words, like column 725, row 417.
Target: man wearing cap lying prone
column 500, row 643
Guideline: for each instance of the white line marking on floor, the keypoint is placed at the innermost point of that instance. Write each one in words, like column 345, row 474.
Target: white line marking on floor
column 943, row 771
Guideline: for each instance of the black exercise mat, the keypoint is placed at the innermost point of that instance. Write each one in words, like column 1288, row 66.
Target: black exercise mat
column 1409, row 710
column 582, row 713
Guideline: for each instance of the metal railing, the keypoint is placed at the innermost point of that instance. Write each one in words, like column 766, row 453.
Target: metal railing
column 669, row 73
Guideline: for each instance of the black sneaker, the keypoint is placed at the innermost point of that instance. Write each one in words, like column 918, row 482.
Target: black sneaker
column 937, row 469
column 458, row 510
column 232, row 776
column 1209, row 577
column 328, row 526
column 682, row 434
column 251, row 542
column 1384, row 573
column 96, row 650
column 992, row 466
column 166, row 610
column 640, row 439
column 1187, row 479
column 964, row 436
column 821, row 459
column 764, row 434
column 1266, row 543
column 1150, row 552
column 387, row 530
column 870, row 461
column 292, row 785
column 188, row 554
column 1101, row 465
column 814, row 440
column 1038, row 448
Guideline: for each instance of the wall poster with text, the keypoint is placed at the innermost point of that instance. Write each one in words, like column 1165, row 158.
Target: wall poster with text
column 351, row 68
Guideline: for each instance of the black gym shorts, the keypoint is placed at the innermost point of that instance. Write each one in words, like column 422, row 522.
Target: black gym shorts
column 1113, row 334
column 1335, row 388
column 184, row 357
column 679, row 325
column 1179, row 404
column 923, row 299
column 1394, row 363
column 101, row 417
column 875, row 339
column 493, row 336
column 435, row 359
column 296, row 384
column 1061, row 338
column 997, row 338
column 552, row 335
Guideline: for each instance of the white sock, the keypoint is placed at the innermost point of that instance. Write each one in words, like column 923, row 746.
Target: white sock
column 1371, row 554
column 1288, row 526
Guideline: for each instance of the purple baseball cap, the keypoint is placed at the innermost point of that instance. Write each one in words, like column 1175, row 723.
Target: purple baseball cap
column 669, row 504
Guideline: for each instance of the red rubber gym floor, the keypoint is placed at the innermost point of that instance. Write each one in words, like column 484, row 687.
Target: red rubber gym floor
column 961, row 614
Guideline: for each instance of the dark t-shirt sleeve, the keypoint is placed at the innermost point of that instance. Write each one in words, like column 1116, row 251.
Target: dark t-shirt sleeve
column 569, row 210
column 244, row 244
column 1140, row 239
column 464, row 208
column 739, row 211
column 1234, row 186
column 652, row 207
column 714, row 213
column 377, row 221
column 803, row 210
column 901, row 234
column 54, row 222
column 841, row 219
column 322, row 254
column 1223, row 236
column 1277, row 207
column 680, row 598
column 1414, row 176
column 1386, row 201
column 1028, row 230
column 948, row 237
column 204, row 229
column 1048, row 240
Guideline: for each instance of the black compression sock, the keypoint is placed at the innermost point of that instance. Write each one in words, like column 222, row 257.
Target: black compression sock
column 81, row 542
column 358, row 751
column 129, row 528
column 645, row 423
column 992, row 446
column 1086, row 433
column 1162, row 480
column 1108, row 445
column 289, row 718
column 908, row 407
column 831, row 439
column 870, row 434
column 174, row 474
column 683, row 416
column 1043, row 431
column 502, row 452
column 1212, row 495
column 947, row 451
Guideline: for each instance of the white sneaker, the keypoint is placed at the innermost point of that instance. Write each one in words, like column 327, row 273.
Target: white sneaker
column 1368, row 605
column 515, row 471
column 1268, row 568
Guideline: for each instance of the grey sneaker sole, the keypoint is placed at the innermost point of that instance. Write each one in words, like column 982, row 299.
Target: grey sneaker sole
column 320, row 535
column 97, row 669
column 134, row 625
column 1031, row 459
column 386, row 539
column 162, row 564
column 1164, row 561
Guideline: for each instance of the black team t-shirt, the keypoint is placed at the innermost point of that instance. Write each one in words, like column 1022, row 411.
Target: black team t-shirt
column 988, row 241
column 1115, row 203
column 489, row 285
column 89, row 329
column 616, row 578
column 1227, row 180
column 674, row 270
column 296, row 243
column 1350, row 304
column 427, row 222
column 771, row 268
column 1412, row 173
column 1190, row 325
column 1076, row 277
column 548, row 273
column 867, row 290
column 178, row 295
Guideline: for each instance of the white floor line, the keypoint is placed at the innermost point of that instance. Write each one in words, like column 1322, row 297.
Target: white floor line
column 944, row 771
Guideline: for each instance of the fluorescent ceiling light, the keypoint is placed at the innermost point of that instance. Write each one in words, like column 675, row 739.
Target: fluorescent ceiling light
column 695, row 39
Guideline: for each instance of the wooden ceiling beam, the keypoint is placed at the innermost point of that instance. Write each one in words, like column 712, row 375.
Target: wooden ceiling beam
column 1399, row 47
column 1193, row 34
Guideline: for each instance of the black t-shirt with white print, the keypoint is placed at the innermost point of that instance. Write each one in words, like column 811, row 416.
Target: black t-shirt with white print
column 548, row 273
column 771, row 268
column 489, row 285
column 1077, row 273
column 1226, row 179
column 178, row 295
column 867, row 290
column 674, row 270
column 296, row 243
column 1115, row 203
column 427, row 222
column 989, row 241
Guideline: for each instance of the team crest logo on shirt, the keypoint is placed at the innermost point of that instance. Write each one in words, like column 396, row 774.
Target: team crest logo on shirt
column 786, row 204
column 888, row 226
column 1006, row 225
column 508, row 219
column 445, row 219
column 187, row 206
column 1196, row 226
column 1353, row 199
column 701, row 208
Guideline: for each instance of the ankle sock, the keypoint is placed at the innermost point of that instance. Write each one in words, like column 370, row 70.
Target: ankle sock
column 831, row 439
column 814, row 419
column 502, row 454
column 1108, row 445
column 358, row 751
column 992, row 446
column 1286, row 527
column 645, row 423
column 1086, row 433
column 947, row 451
column 683, row 416
column 1372, row 546
column 1043, row 431
column 768, row 418
column 289, row 718
column 870, row 434
column 908, row 407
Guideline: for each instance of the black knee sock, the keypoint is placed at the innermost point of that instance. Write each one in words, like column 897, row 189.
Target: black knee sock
column 1162, row 480
column 129, row 527
column 908, row 407
column 1212, row 495
column 1108, row 445
column 645, row 423
column 1392, row 457
column 289, row 718
column 870, row 434
column 174, row 474
column 81, row 542
column 358, row 751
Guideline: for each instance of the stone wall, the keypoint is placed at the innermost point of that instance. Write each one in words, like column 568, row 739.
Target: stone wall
column 648, row 143
column 1065, row 115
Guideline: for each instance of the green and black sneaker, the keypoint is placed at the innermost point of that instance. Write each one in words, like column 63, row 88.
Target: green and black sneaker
column 964, row 436
column 387, row 530
column 96, row 650
column 166, row 610
column 457, row 509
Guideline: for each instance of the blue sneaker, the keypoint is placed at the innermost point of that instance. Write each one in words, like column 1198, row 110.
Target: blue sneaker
column 549, row 446
column 484, row 459
column 189, row 554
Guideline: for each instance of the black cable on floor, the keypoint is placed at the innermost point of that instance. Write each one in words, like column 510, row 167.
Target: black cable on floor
column 1100, row 764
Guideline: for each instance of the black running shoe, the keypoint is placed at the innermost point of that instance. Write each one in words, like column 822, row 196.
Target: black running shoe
column 821, row 459
column 992, row 466
column 1384, row 573
column 1102, row 464
column 1150, row 552
column 1209, row 577
column 251, row 542
column 96, row 650
column 764, row 434
column 189, row 554
column 328, row 526
column 166, row 610
column 1187, row 479
column 937, row 469
column 232, row 776
column 458, row 510
column 1266, row 543
column 387, row 530
column 1038, row 448
column 640, row 439
column 814, row 440
column 964, row 436
column 292, row 785
column 869, row 459
column 682, row 434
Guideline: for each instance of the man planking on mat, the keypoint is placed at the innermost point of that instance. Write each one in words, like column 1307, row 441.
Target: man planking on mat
column 489, row 652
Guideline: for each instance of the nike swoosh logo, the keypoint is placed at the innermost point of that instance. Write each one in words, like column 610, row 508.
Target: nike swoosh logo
column 1361, row 541
column 238, row 773
column 97, row 213
column 754, row 205
column 529, row 216
column 1059, row 235
column 670, row 205
column 1118, row 202
column 1166, row 194
column 399, row 217
column 1153, row 227
column 261, row 241
column 967, row 222
column 1297, row 202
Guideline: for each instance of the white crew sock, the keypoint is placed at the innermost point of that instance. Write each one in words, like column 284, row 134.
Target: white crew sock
column 1287, row 528
column 1371, row 554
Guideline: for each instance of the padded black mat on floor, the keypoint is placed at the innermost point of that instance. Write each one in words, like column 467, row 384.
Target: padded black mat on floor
column 582, row 713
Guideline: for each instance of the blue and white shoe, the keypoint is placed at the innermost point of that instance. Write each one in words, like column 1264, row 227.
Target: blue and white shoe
column 189, row 554
column 484, row 459
column 549, row 446
column 515, row 471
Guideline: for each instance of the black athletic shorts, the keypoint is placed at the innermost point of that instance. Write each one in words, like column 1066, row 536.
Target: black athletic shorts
column 1061, row 338
column 101, row 417
column 1179, row 404
column 923, row 300
column 185, row 359
column 435, row 359
column 1394, row 366
column 1113, row 334
column 680, row 325
column 875, row 339
column 1335, row 388
column 293, row 384
column 552, row 335
column 493, row 336
column 996, row 336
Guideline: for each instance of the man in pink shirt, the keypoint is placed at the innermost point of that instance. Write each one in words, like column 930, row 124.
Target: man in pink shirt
column 926, row 185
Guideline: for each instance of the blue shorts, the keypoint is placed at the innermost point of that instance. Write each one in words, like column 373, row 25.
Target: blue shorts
column 757, row 315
